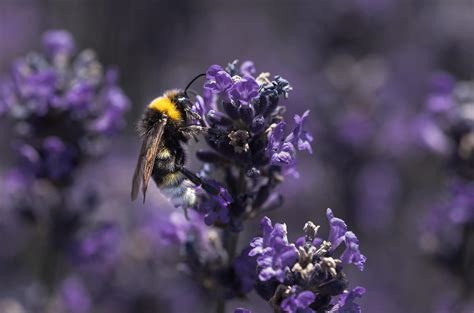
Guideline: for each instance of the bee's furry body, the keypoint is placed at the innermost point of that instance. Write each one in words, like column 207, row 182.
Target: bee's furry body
column 170, row 155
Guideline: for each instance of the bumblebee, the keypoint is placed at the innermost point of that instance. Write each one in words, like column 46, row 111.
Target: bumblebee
column 165, row 127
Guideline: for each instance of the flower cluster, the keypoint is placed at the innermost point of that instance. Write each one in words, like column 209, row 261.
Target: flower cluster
column 307, row 275
column 247, row 140
column 450, row 107
column 63, row 107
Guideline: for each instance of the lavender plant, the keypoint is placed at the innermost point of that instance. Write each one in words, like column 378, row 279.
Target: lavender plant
column 250, row 152
column 449, row 230
column 63, row 109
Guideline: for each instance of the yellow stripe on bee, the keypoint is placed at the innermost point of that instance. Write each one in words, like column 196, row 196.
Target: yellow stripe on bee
column 163, row 153
column 167, row 107
column 171, row 179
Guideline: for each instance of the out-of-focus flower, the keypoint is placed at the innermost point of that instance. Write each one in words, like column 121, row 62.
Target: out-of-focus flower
column 58, row 42
column 62, row 106
column 75, row 296
column 448, row 230
column 98, row 249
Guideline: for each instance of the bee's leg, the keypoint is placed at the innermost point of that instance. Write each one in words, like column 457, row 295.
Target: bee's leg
column 193, row 130
column 199, row 181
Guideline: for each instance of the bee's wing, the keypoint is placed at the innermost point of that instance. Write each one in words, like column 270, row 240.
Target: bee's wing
column 146, row 159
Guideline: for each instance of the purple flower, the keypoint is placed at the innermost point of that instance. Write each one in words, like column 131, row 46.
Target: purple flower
column 219, row 81
column 58, row 42
column 244, row 90
column 298, row 302
column 247, row 68
column 346, row 302
column 79, row 96
column 300, row 137
column 115, row 104
column 274, row 254
column 34, row 89
column 48, row 96
column 241, row 310
column 308, row 273
column 216, row 207
column 351, row 254
column 338, row 229
column 281, row 150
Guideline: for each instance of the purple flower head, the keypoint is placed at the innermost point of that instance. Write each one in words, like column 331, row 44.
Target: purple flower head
column 244, row 90
column 274, row 254
column 218, row 80
column 48, row 96
column 114, row 104
column 281, row 150
column 79, row 96
column 58, row 42
column 300, row 137
column 338, row 229
column 306, row 276
column 351, row 254
column 298, row 302
column 247, row 68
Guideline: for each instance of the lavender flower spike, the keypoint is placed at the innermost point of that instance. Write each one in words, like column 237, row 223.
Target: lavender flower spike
column 306, row 276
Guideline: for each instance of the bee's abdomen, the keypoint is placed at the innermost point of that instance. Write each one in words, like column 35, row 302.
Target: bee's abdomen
column 169, row 179
column 178, row 189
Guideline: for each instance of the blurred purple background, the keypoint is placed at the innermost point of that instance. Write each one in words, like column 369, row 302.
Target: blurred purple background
column 365, row 70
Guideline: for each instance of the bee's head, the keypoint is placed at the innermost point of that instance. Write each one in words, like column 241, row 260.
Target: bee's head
column 184, row 105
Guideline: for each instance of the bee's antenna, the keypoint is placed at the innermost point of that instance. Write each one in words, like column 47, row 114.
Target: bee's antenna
column 191, row 82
